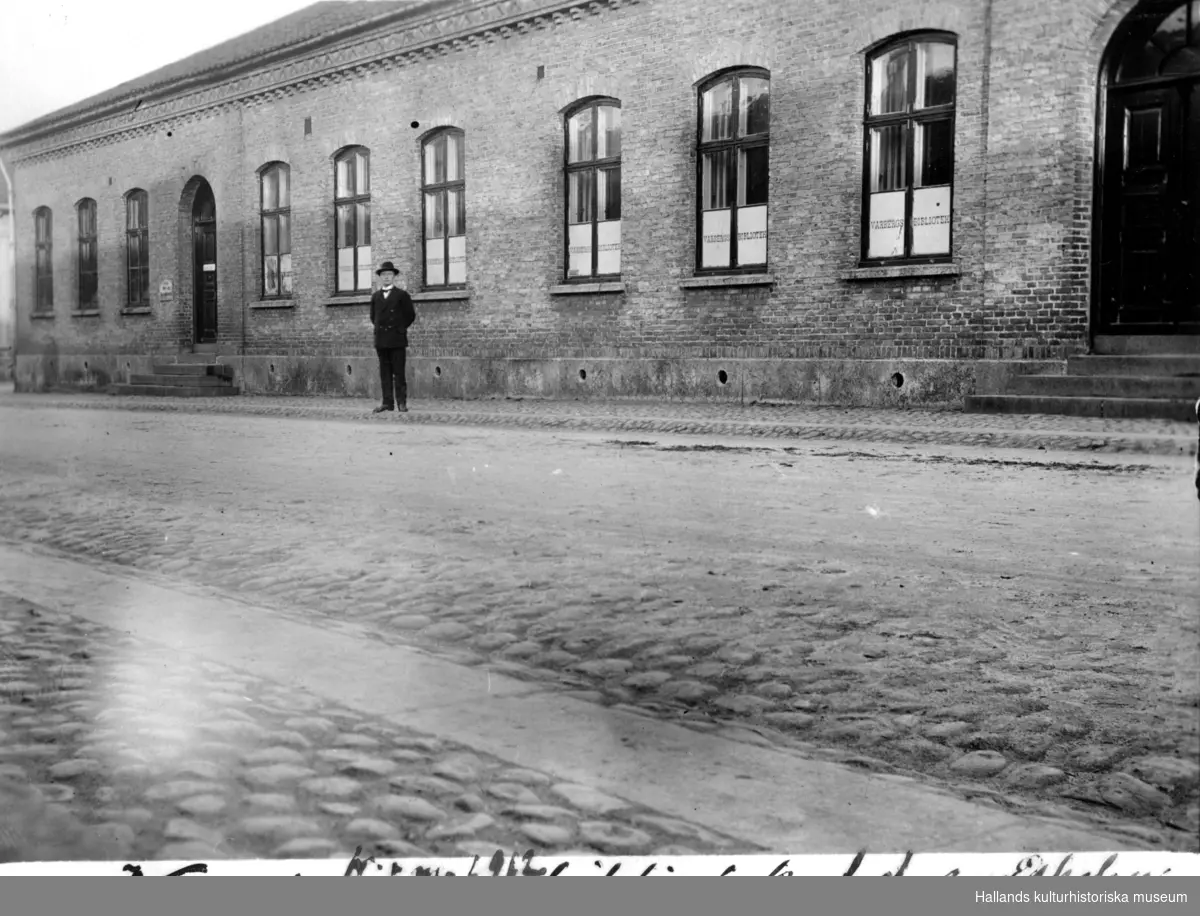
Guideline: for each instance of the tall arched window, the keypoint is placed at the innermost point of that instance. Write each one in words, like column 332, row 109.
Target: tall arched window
column 733, row 159
column 43, row 228
column 444, row 204
column 137, row 248
column 909, row 150
column 352, row 204
column 276, row 214
column 85, row 212
column 593, row 180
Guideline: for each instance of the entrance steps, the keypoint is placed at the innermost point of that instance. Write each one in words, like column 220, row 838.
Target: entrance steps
column 192, row 375
column 1120, row 386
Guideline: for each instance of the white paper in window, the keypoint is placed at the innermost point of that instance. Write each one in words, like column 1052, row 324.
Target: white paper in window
column 931, row 221
column 608, row 255
column 752, row 235
column 886, row 225
column 458, row 259
column 364, row 267
column 435, row 262
column 285, row 273
column 345, row 269
column 714, row 241
column 579, row 252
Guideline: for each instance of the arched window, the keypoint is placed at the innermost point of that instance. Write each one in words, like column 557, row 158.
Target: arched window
column 444, row 204
column 43, row 227
column 593, row 180
column 733, row 159
column 275, row 202
column 909, row 150
column 137, row 248
column 85, row 212
column 352, row 204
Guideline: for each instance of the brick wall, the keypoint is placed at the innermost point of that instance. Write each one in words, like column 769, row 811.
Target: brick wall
column 1023, row 155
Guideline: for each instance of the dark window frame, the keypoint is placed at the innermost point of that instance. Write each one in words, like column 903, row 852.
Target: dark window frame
column 43, row 281
column 142, row 233
column 356, row 200
column 87, row 255
column 734, row 144
column 595, row 166
column 909, row 119
column 442, row 189
column 273, row 214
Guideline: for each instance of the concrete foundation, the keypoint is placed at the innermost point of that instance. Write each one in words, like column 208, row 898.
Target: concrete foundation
column 844, row 382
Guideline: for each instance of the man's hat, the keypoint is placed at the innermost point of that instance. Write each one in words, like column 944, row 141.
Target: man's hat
column 388, row 266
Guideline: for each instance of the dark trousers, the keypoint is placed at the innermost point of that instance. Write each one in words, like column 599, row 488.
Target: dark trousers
column 391, row 375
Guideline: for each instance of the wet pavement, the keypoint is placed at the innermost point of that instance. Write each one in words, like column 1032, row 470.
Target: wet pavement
column 1020, row 628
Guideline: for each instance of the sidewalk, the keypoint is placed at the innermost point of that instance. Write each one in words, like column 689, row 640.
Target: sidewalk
column 783, row 422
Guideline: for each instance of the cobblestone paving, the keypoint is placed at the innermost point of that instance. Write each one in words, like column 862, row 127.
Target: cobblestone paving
column 111, row 750
column 784, row 421
column 965, row 655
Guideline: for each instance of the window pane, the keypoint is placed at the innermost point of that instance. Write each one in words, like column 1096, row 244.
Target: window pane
column 579, row 136
column 435, row 262
column 752, row 236
column 931, row 221
column 754, row 107
column 132, row 214
column 345, row 181
column 41, row 232
column 285, row 233
column 87, row 288
column 270, row 189
column 887, row 158
column 364, row 267
column 431, row 159
column 362, row 235
column 933, row 153
column 285, row 186
column 714, row 238
column 579, row 250
column 608, row 138
column 454, row 163
column 714, row 189
column 886, row 225
column 270, row 276
column 608, row 203
column 579, row 198
column 458, row 260
column 87, row 256
column 134, row 250
column 285, row 274
column 345, row 226
column 362, row 177
column 716, row 112
column 456, row 213
column 889, row 82
column 345, row 267
column 434, row 227
column 270, row 236
column 935, row 75
column 752, row 176
column 608, row 250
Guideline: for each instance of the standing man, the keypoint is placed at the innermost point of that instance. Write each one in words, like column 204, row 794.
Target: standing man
column 392, row 314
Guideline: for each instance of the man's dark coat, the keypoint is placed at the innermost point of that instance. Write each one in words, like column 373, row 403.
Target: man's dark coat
column 392, row 314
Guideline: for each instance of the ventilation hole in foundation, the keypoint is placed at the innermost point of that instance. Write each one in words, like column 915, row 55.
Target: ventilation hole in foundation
column 169, row 134
column 722, row 377
column 415, row 124
column 349, row 371
column 437, row 371
column 85, row 365
column 897, row 379
column 583, row 375
column 541, row 71
column 272, row 367
column 127, row 365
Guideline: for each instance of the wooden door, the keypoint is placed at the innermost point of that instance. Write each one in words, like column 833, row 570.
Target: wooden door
column 205, row 267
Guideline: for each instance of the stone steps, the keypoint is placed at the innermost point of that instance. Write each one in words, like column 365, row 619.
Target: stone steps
column 176, row 391
column 193, row 375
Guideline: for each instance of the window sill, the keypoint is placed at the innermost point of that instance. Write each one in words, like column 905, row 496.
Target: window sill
column 140, row 310
column 728, row 280
column 580, row 289
column 356, row 299
column 901, row 271
column 273, row 304
column 86, row 313
column 42, row 315
column 440, row 295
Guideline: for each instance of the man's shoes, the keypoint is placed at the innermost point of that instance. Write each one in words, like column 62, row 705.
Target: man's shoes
column 403, row 408
column 382, row 409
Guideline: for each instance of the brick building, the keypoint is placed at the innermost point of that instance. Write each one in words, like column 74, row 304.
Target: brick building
column 844, row 201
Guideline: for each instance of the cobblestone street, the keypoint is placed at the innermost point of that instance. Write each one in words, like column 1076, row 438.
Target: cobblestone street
column 1019, row 626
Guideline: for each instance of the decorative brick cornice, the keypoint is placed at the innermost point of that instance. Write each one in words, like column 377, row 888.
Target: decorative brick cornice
column 336, row 59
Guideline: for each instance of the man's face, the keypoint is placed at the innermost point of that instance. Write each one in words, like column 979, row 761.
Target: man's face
column 387, row 277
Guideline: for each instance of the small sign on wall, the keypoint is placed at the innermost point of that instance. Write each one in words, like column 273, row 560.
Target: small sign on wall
column 166, row 290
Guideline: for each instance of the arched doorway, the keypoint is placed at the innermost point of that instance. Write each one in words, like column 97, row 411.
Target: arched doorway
column 1148, row 263
column 204, row 264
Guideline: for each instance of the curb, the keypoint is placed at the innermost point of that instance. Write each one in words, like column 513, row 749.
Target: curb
column 1145, row 445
